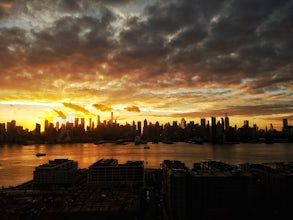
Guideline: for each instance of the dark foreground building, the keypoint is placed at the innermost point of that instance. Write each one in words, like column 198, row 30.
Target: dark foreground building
column 110, row 171
column 109, row 190
column 213, row 189
column 56, row 173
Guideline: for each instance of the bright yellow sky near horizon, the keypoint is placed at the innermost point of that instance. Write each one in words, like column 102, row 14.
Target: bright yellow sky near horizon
column 28, row 114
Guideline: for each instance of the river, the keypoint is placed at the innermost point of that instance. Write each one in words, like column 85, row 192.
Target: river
column 17, row 162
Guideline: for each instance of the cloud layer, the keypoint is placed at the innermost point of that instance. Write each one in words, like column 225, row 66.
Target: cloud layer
column 187, row 56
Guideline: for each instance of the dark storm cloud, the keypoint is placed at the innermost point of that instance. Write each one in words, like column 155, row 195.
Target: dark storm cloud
column 249, row 110
column 75, row 6
column 70, row 45
column 85, row 35
column 12, row 46
column 6, row 2
column 237, row 24
column 3, row 12
column 238, row 31
column 279, row 24
column 183, row 42
column 69, row 5
column 254, row 110
column 116, row 2
column 219, row 41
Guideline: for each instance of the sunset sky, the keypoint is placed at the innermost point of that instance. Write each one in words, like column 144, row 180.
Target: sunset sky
column 157, row 59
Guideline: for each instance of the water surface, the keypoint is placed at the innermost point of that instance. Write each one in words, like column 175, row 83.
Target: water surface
column 17, row 162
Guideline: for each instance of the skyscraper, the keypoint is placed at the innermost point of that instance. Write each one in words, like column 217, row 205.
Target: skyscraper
column 98, row 120
column 203, row 122
column 139, row 127
column 38, row 129
column 46, row 124
column 183, row 123
column 57, row 125
column 246, row 123
column 285, row 123
column 214, row 129
column 226, row 122
column 76, row 122
column 82, row 123
column 90, row 123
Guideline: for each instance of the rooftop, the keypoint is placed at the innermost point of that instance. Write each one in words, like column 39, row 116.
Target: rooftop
column 54, row 163
column 174, row 164
column 114, row 162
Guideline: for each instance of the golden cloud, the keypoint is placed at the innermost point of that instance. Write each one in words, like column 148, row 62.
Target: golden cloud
column 60, row 114
column 132, row 109
column 102, row 107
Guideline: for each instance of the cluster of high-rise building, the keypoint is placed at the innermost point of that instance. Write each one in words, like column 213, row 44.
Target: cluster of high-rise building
column 213, row 130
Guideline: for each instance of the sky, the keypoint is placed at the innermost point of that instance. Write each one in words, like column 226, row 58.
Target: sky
column 162, row 60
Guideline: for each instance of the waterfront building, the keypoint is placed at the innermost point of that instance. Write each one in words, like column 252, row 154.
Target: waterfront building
column 58, row 172
column 110, row 171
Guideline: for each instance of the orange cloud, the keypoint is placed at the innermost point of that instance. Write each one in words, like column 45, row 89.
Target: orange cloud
column 102, row 108
column 132, row 109
column 60, row 114
column 76, row 108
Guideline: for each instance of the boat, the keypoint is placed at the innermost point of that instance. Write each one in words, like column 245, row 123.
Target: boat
column 97, row 142
column 40, row 154
column 121, row 141
column 167, row 142
column 137, row 140
column 146, row 147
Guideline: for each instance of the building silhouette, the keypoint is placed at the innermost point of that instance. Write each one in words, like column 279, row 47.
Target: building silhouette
column 214, row 189
column 57, row 172
column 213, row 131
column 110, row 171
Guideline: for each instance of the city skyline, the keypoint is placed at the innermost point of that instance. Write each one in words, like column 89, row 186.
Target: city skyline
column 153, row 59
column 95, row 122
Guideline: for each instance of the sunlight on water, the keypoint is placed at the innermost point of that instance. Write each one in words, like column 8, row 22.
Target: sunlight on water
column 18, row 162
